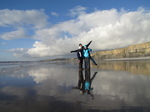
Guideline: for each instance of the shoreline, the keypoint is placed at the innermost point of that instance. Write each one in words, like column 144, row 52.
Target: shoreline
column 75, row 59
column 128, row 59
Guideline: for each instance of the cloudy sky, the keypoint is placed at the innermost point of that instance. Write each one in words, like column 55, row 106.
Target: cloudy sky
column 43, row 29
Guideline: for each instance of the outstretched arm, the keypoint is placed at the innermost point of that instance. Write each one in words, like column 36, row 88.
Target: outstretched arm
column 90, row 50
column 74, row 51
column 88, row 44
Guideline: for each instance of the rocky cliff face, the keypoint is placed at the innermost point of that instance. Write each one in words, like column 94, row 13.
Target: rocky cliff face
column 138, row 50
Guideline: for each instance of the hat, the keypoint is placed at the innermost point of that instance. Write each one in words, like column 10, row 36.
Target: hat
column 85, row 46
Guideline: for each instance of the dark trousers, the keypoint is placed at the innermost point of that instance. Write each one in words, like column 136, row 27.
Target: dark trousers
column 87, row 62
column 80, row 63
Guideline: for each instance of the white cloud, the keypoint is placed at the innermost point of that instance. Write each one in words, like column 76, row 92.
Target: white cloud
column 21, row 22
column 19, row 52
column 78, row 10
column 54, row 14
column 20, row 33
column 15, row 18
column 108, row 29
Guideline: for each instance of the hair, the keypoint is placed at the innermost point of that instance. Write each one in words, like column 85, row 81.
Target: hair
column 80, row 44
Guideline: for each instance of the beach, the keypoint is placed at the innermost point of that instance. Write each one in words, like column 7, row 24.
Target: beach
column 53, row 86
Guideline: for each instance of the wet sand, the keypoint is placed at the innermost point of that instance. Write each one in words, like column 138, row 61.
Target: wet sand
column 53, row 86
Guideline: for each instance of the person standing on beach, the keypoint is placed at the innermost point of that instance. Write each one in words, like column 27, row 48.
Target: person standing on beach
column 81, row 47
column 90, row 55
column 86, row 53
column 80, row 55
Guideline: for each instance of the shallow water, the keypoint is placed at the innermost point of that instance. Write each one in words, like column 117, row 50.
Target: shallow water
column 116, row 86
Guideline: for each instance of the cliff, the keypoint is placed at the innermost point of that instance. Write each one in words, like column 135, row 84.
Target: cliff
column 138, row 50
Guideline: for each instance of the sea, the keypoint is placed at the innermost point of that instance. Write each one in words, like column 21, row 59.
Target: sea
column 59, row 86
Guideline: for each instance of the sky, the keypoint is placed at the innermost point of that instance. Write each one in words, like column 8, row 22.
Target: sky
column 46, row 29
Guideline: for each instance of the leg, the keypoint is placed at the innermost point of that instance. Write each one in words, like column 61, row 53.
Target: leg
column 87, row 63
column 79, row 63
column 93, row 60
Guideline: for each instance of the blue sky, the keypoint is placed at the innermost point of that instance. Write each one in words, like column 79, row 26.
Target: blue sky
column 43, row 29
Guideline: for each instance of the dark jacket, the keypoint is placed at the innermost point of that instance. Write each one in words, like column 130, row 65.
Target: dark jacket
column 80, row 54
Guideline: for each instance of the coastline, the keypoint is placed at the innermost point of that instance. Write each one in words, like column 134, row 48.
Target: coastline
column 128, row 59
column 75, row 59
column 117, row 59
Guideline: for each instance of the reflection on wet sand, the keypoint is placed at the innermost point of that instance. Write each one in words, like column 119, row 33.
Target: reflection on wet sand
column 85, row 82
column 48, row 87
column 134, row 67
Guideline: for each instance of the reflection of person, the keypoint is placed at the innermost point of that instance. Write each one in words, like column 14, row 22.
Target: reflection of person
column 80, row 82
column 88, row 82
column 84, row 84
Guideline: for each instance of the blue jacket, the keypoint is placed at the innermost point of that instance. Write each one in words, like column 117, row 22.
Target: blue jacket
column 86, row 52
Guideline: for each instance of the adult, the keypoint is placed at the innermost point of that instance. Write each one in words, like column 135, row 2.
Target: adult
column 86, row 53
